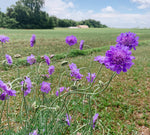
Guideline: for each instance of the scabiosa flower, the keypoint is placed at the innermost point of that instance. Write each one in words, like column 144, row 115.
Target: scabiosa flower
column 3, row 96
column 31, row 59
column 35, row 132
column 47, row 59
column 94, row 119
column 81, row 44
column 32, row 40
column 90, row 77
column 45, row 87
column 9, row 59
column 3, row 39
column 127, row 39
column 67, row 119
column 118, row 59
column 75, row 72
column 51, row 69
column 26, row 86
column 71, row 40
column 100, row 59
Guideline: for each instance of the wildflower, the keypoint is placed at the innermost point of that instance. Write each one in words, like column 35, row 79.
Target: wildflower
column 45, row 87
column 94, row 119
column 118, row 59
column 26, row 86
column 74, row 71
column 35, row 132
column 47, row 59
column 71, row 40
column 31, row 59
column 67, row 119
column 3, row 39
column 51, row 69
column 81, row 44
column 90, row 77
column 7, row 91
column 9, row 59
column 100, row 59
column 32, row 40
column 127, row 39
column 61, row 89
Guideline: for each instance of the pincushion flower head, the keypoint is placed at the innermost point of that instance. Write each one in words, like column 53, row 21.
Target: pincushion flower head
column 9, row 59
column 45, row 87
column 71, row 40
column 26, row 86
column 32, row 40
column 51, row 69
column 81, row 44
column 75, row 72
column 31, row 59
column 6, row 91
column 47, row 59
column 90, row 77
column 3, row 39
column 118, row 59
column 127, row 39
column 95, row 119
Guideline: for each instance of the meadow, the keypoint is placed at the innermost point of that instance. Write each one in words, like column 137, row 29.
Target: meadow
column 123, row 108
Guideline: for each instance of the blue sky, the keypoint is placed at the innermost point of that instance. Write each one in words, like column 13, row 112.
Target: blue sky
column 114, row 13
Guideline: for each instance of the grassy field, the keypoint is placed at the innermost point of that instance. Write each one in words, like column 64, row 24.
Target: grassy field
column 124, row 108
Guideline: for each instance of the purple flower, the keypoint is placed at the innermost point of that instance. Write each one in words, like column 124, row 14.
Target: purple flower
column 127, row 39
column 118, row 59
column 67, row 119
column 81, row 44
column 100, row 59
column 61, row 89
column 71, row 40
column 31, row 59
column 94, row 119
column 9, row 59
column 45, row 87
column 26, row 86
column 74, row 71
column 6, row 91
column 35, row 132
column 3, row 39
column 51, row 69
column 32, row 40
column 47, row 59
column 90, row 77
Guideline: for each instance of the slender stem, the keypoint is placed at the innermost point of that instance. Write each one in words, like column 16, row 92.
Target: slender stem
column 7, row 115
column 90, row 114
column 3, row 55
column 2, row 110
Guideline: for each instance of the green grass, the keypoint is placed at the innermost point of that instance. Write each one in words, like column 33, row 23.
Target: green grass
column 123, row 108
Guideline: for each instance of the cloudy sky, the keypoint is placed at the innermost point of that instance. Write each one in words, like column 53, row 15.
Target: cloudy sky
column 113, row 13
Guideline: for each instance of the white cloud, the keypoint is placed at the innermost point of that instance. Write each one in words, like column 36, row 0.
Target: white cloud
column 143, row 3
column 108, row 9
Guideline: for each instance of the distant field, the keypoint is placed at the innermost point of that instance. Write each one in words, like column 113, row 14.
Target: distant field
column 53, row 41
column 124, row 108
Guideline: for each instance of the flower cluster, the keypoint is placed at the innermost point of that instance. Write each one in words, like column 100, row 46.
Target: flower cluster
column 61, row 89
column 47, row 59
column 81, row 44
column 68, row 119
column 95, row 119
column 26, row 86
column 75, row 72
column 9, row 59
column 51, row 69
column 127, row 39
column 32, row 40
column 3, row 39
column 45, row 87
column 71, row 40
column 6, row 91
column 31, row 59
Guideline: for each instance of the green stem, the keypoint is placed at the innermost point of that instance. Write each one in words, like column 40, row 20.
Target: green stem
column 7, row 115
column 2, row 110
column 90, row 114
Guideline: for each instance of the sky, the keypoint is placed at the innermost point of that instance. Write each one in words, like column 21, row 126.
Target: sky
column 113, row 13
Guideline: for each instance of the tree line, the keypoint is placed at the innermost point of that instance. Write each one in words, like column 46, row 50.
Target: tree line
column 27, row 14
